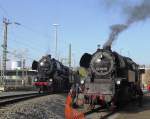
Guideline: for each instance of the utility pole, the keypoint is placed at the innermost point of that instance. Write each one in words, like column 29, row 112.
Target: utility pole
column 23, row 68
column 69, row 58
column 56, row 39
column 4, row 46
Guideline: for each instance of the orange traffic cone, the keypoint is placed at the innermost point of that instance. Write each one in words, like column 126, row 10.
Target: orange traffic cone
column 71, row 113
column 68, row 109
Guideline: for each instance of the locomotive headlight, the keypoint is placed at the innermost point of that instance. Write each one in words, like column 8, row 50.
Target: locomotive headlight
column 50, row 80
column 41, row 63
column 98, row 60
column 35, row 79
column 82, row 82
column 101, row 56
column 118, row 82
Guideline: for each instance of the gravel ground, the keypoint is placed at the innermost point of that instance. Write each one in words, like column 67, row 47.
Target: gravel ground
column 131, row 111
column 52, row 107
column 135, row 112
column 47, row 107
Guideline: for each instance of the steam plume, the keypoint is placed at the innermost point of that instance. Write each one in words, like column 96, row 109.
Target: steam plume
column 115, row 30
column 135, row 14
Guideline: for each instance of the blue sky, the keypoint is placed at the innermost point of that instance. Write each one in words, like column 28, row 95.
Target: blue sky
column 83, row 23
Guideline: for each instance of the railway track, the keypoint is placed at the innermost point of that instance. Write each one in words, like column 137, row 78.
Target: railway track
column 102, row 113
column 6, row 100
column 107, row 114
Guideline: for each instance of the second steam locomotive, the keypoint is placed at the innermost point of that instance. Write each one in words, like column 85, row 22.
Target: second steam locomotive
column 112, row 81
column 52, row 75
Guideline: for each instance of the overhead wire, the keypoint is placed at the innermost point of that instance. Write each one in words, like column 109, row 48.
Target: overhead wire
column 36, row 44
column 47, row 38
column 24, row 44
column 4, row 10
column 18, row 56
column 24, row 26
column 34, row 31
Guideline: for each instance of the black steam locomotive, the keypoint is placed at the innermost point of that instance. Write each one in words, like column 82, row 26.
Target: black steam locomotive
column 52, row 75
column 113, row 80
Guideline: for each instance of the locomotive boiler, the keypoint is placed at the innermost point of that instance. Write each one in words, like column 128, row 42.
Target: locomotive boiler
column 52, row 75
column 112, row 81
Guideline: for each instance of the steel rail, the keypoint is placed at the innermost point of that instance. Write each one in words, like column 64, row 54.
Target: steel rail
column 6, row 100
column 100, row 110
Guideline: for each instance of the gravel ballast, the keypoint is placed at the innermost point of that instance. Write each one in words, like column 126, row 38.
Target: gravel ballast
column 47, row 107
column 52, row 107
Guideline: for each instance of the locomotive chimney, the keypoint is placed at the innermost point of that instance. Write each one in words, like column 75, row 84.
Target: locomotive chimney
column 108, row 48
column 98, row 47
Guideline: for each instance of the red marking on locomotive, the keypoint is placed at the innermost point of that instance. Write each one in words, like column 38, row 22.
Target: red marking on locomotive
column 40, row 83
column 148, row 87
